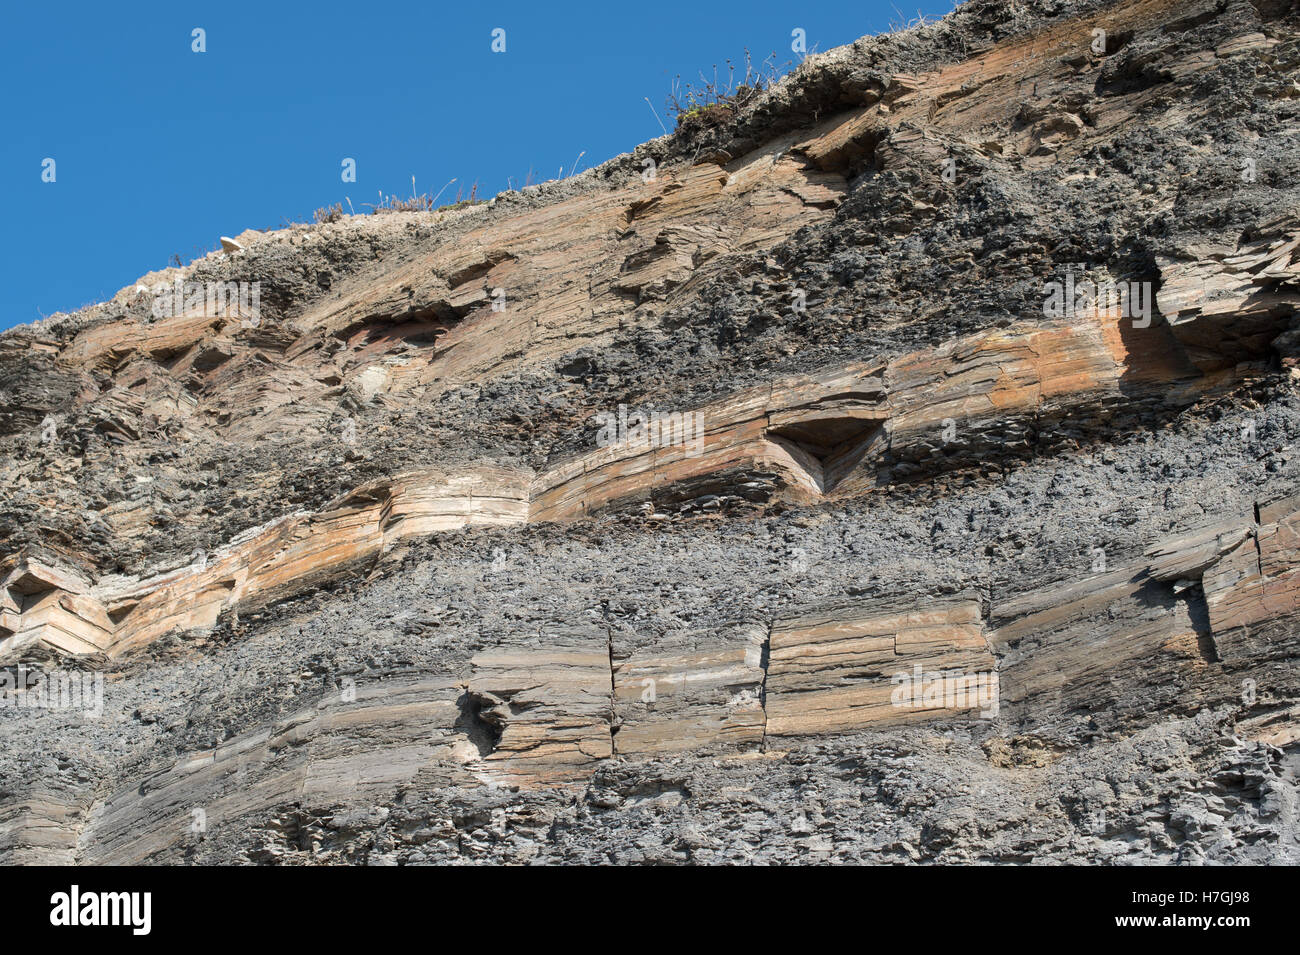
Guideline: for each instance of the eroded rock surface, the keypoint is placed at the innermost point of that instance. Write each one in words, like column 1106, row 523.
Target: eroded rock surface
column 900, row 550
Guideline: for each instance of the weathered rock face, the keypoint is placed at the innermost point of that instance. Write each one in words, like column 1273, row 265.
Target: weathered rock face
column 900, row 470
column 841, row 432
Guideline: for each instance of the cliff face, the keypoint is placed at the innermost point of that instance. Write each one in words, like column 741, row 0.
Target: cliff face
column 898, row 469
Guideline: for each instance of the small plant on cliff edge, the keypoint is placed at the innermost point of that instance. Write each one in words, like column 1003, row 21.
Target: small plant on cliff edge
column 900, row 23
column 328, row 213
column 418, row 202
column 715, row 101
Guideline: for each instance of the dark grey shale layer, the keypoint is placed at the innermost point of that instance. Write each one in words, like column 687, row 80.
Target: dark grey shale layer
column 374, row 679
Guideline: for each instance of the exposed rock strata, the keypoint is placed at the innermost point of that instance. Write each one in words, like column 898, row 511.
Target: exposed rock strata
column 803, row 439
column 944, row 578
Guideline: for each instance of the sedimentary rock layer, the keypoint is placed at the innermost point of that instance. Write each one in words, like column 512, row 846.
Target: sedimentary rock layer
column 933, row 549
column 548, row 708
column 842, row 431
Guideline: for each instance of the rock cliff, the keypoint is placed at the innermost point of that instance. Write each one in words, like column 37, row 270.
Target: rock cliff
column 899, row 468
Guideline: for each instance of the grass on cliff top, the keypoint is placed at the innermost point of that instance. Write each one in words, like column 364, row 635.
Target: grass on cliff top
column 714, row 101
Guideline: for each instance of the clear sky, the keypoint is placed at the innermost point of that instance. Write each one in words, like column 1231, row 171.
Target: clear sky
column 159, row 150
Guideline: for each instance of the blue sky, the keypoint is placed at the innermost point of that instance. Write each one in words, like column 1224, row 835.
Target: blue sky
column 160, row 150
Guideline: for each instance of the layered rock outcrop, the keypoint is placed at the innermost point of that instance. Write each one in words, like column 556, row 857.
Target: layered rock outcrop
column 898, row 469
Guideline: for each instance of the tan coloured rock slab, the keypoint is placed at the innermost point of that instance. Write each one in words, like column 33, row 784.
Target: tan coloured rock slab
column 549, row 707
column 705, row 694
column 862, row 664
column 354, row 746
